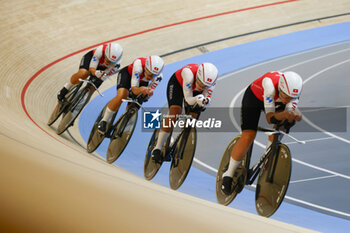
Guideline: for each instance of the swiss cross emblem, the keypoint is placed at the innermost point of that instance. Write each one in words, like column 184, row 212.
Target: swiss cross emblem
column 295, row 90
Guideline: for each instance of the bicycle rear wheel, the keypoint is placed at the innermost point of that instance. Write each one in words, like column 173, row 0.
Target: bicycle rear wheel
column 221, row 197
column 183, row 157
column 150, row 167
column 269, row 195
column 78, row 103
column 121, row 136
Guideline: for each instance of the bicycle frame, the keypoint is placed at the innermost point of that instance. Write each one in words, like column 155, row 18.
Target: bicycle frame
column 88, row 88
column 271, row 152
column 170, row 152
column 125, row 120
column 133, row 106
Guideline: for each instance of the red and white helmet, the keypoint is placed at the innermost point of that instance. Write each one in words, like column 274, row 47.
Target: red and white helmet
column 291, row 84
column 114, row 52
column 154, row 64
column 207, row 73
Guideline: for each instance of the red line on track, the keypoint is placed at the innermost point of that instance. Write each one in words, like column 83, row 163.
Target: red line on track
column 25, row 88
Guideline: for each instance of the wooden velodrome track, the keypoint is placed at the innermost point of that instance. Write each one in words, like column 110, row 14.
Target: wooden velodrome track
column 50, row 184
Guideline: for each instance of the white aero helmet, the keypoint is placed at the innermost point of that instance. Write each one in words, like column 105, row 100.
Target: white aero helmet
column 291, row 84
column 207, row 73
column 114, row 52
column 154, row 64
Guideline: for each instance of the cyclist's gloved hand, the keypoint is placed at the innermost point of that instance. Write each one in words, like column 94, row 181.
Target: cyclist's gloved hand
column 149, row 92
column 287, row 125
column 207, row 100
column 99, row 73
column 200, row 100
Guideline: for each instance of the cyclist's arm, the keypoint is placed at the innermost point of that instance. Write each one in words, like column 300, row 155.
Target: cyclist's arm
column 135, row 78
column 155, row 82
column 208, row 94
column 95, row 60
column 111, row 70
column 293, row 106
column 288, row 114
column 187, row 83
column 272, row 117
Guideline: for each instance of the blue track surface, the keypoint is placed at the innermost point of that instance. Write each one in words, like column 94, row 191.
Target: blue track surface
column 227, row 60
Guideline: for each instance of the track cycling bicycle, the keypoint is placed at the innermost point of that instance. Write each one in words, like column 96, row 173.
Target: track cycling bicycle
column 179, row 149
column 74, row 102
column 273, row 169
column 120, row 132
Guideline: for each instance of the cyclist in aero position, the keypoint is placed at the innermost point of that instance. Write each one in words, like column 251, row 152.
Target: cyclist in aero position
column 105, row 59
column 192, row 83
column 275, row 93
column 141, row 77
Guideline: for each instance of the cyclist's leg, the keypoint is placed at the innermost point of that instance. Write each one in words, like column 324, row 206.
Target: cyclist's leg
column 82, row 73
column 175, row 99
column 250, row 114
column 165, row 130
column 194, row 114
column 112, row 108
column 114, row 104
column 123, row 87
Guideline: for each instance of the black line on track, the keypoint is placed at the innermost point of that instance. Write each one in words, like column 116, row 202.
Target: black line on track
column 251, row 33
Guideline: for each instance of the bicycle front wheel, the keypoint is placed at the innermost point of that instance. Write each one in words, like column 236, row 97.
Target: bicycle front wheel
column 95, row 138
column 183, row 157
column 121, row 136
column 62, row 106
column 270, row 194
column 56, row 113
column 77, row 105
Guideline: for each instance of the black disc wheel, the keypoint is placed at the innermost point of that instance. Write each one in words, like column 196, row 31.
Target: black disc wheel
column 77, row 105
column 121, row 135
column 56, row 113
column 151, row 167
column 95, row 137
column 273, row 183
column 183, row 157
column 62, row 106
column 241, row 171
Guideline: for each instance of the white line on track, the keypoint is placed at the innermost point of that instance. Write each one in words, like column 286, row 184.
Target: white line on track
column 310, row 179
column 325, row 109
column 318, row 207
column 311, row 140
